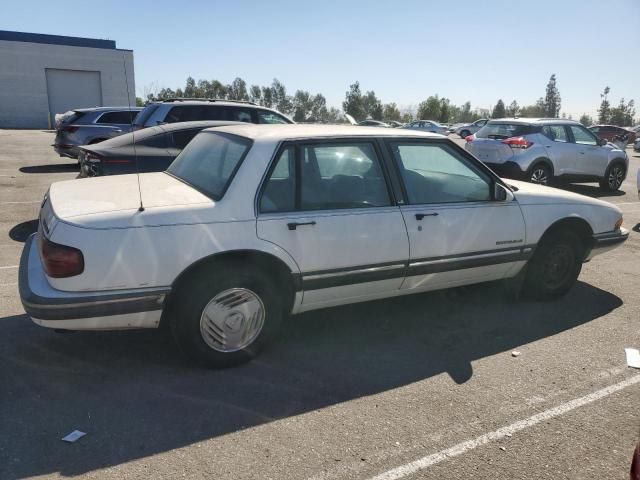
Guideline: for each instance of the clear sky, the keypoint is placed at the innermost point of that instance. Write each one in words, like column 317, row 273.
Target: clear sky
column 405, row 51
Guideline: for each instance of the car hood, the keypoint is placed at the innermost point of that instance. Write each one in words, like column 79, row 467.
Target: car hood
column 532, row 194
column 74, row 199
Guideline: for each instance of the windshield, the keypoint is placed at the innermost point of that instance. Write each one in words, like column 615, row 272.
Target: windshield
column 500, row 131
column 209, row 162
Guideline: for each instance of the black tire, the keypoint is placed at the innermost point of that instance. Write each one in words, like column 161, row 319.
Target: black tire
column 613, row 177
column 540, row 173
column 189, row 301
column 555, row 265
column 465, row 133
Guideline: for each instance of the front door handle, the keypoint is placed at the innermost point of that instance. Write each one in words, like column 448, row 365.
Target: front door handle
column 420, row 216
column 294, row 225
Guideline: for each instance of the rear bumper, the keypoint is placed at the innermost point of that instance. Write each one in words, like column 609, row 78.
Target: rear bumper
column 100, row 309
column 603, row 242
column 70, row 151
column 508, row 170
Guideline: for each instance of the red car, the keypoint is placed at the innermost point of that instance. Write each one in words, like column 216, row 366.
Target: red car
column 607, row 132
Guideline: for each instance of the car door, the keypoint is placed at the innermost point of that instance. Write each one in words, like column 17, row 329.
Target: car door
column 560, row 149
column 329, row 206
column 591, row 157
column 458, row 233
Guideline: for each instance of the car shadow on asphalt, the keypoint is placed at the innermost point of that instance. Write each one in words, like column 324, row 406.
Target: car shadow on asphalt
column 589, row 190
column 50, row 168
column 136, row 396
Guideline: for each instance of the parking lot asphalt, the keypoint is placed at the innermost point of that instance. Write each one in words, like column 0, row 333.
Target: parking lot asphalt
column 423, row 386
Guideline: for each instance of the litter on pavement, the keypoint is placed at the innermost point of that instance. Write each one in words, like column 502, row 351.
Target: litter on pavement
column 73, row 436
column 633, row 357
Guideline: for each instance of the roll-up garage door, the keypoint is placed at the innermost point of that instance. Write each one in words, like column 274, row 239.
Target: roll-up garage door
column 70, row 89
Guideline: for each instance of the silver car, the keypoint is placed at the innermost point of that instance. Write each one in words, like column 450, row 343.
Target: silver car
column 427, row 126
column 543, row 150
column 467, row 129
column 86, row 126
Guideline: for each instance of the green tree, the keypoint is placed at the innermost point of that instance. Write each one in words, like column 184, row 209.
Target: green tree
column 586, row 120
column 255, row 94
column 513, row 109
column 552, row 99
column 372, row 105
column 429, row 109
column 499, row 110
column 319, row 112
column 390, row 112
column 604, row 112
column 237, row 90
column 302, row 102
column 282, row 102
column 353, row 102
column 623, row 114
column 445, row 110
column 267, row 97
column 465, row 114
column 533, row 111
column 139, row 102
column 190, row 88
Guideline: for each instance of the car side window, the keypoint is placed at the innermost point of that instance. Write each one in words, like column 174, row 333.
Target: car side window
column 583, row 136
column 557, row 133
column 156, row 141
column 180, row 138
column 436, row 173
column 184, row 113
column 265, row 116
column 345, row 175
column 118, row 118
column 279, row 194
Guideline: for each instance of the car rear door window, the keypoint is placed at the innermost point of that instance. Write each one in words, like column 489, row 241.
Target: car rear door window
column 120, row 118
column 337, row 176
column 583, row 136
column 279, row 194
column 436, row 173
column 156, row 141
column 265, row 116
column 557, row 133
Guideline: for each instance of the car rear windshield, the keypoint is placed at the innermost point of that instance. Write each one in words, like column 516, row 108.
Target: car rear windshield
column 500, row 131
column 209, row 162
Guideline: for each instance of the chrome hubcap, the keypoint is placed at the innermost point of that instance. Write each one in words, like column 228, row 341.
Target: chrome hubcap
column 615, row 177
column 232, row 320
column 539, row 175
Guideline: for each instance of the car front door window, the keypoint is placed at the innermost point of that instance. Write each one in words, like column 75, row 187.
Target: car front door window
column 582, row 136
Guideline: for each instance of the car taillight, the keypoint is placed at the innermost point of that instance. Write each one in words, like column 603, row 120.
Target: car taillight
column 60, row 261
column 517, row 142
column 92, row 157
column 69, row 128
column 469, row 138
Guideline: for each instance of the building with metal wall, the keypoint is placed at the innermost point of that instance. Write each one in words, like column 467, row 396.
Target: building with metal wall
column 41, row 75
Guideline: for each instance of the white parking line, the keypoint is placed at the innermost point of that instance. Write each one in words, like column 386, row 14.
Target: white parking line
column 430, row 460
column 9, row 266
column 8, row 284
column 16, row 203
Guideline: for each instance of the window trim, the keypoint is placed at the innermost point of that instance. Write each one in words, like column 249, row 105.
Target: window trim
column 473, row 162
column 298, row 145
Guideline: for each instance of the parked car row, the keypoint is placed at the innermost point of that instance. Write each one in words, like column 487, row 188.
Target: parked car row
column 251, row 223
column 89, row 126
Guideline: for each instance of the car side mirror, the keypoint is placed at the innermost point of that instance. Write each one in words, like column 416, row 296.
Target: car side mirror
column 502, row 193
column 602, row 142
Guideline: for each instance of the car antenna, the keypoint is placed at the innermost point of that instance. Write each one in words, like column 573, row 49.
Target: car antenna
column 133, row 133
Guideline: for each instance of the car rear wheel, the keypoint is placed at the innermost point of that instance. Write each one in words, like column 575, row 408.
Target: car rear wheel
column 224, row 317
column 613, row 177
column 555, row 265
column 540, row 174
column 465, row 133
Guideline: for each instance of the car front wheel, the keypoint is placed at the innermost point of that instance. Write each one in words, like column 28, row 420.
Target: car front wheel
column 613, row 178
column 224, row 316
column 555, row 265
column 540, row 174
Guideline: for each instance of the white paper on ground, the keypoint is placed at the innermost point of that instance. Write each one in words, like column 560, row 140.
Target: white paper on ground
column 633, row 357
column 73, row 436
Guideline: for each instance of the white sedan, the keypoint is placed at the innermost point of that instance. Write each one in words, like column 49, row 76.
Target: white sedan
column 254, row 222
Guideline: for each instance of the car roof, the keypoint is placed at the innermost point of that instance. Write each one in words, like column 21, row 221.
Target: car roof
column 530, row 121
column 301, row 131
column 172, row 127
column 105, row 109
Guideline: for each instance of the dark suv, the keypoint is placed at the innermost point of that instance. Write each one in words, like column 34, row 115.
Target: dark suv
column 187, row 110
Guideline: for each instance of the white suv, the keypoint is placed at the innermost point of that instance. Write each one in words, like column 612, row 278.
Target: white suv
column 544, row 150
column 253, row 222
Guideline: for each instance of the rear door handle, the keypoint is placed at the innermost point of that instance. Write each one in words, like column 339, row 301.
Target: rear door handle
column 420, row 216
column 294, row 225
